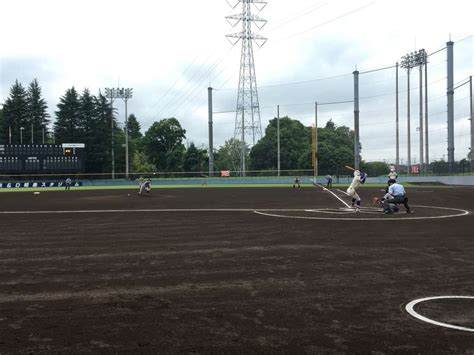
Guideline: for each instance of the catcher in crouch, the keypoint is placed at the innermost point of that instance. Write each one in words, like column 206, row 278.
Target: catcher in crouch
column 359, row 178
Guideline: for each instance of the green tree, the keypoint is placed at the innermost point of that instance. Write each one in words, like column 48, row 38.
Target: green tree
column 2, row 136
column 228, row 156
column 99, row 152
column 375, row 168
column 88, row 130
column 294, row 143
column 163, row 143
column 140, row 163
column 195, row 159
column 439, row 167
column 37, row 113
column 67, row 127
column 135, row 144
column 134, row 127
column 335, row 148
column 15, row 114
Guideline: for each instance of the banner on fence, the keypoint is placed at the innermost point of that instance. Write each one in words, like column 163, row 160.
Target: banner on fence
column 12, row 185
column 415, row 169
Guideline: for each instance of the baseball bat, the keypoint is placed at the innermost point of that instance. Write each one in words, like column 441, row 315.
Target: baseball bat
column 349, row 167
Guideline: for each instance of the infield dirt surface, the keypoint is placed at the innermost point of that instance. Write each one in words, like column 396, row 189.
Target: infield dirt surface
column 198, row 271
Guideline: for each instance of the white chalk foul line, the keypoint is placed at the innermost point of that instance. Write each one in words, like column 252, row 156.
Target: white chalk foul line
column 334, row 195
column 262, row 211
column 410, row 309
column 154, row 210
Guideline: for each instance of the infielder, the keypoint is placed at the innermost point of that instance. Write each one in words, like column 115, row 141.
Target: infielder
column 296, row 182
column 144, row 186
column 392, row 175
column 359, row 178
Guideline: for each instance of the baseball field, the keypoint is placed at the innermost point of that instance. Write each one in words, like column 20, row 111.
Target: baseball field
column 236, row 270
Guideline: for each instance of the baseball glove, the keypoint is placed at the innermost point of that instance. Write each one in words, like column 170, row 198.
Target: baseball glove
column 376, row 201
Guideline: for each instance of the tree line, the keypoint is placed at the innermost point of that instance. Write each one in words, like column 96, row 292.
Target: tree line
column 90, row 119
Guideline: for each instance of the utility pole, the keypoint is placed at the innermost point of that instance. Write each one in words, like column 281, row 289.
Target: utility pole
column 211, row 134
column 247, row 119
column 356, row 121
column 397, row 144
column 278, row 139
column 427, row 154
column 450, row 96
column 472, row 123
column 316, row 142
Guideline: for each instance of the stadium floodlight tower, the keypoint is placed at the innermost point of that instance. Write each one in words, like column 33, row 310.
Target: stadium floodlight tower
column 111, row 94
column 247, row 119
column 408, row 62
column 125, row 95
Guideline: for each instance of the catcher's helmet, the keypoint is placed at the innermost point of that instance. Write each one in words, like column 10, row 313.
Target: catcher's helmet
column 392, row 181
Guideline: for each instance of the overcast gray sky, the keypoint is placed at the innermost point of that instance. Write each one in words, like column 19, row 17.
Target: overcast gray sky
column 170, row 51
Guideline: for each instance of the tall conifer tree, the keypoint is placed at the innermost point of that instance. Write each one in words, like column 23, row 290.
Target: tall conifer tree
column 15, row 115
column 67, row 125
column 37, row 114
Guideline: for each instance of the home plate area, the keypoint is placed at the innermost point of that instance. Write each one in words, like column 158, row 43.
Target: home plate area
column 367, row 213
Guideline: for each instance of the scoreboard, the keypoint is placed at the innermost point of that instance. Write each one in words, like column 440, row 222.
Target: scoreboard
column 42, row 158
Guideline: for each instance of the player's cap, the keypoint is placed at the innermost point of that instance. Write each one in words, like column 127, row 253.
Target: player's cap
column 392, row 181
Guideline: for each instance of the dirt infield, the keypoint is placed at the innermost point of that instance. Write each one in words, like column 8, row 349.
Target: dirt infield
column 234, row 270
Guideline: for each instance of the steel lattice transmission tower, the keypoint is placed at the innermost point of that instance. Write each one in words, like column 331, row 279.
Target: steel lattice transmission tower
column 247, row 119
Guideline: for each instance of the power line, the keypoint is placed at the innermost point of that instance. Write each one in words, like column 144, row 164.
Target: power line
column 297, row 16
column 330, row 21
column 379, row 69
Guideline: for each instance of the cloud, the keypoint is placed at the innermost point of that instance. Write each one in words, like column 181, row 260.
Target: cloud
column 170, row 52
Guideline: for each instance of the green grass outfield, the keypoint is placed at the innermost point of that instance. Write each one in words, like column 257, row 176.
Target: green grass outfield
column 210, row 186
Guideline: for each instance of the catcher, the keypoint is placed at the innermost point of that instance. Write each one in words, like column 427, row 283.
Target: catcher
column 396, row 194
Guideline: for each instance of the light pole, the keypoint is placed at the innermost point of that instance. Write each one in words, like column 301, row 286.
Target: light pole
column 410, row 61
column 126, row 94
column 21, row 134
column 112, row 93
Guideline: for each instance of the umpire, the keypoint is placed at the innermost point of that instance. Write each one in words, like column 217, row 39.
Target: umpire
column 397, row 195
